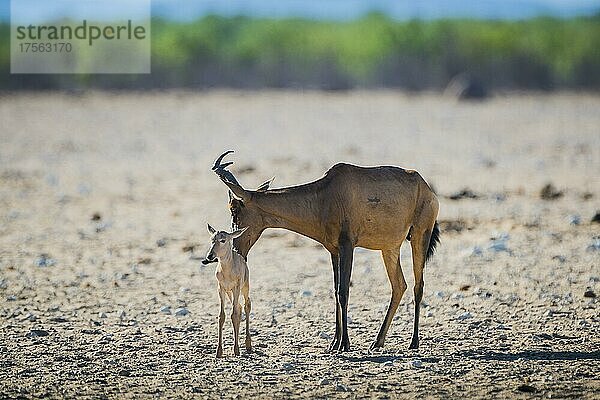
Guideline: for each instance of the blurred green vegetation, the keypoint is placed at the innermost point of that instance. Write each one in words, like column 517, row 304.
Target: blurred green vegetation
column 374, row 51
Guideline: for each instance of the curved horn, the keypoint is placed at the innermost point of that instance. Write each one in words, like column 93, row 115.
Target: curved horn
column 227, row 177
column 218, row 164
column 219, row 168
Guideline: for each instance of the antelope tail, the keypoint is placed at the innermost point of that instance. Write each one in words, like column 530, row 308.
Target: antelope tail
column 434, row 240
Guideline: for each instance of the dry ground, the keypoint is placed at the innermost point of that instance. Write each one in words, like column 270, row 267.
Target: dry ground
column 100, row 193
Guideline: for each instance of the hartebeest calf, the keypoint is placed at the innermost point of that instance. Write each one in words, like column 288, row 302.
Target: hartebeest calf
column 233, row 277
column 350, row 206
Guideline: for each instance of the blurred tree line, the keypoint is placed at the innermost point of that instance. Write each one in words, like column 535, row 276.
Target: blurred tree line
column 374, row 51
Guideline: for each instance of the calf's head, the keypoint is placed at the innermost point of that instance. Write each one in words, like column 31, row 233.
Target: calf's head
column 221, row 242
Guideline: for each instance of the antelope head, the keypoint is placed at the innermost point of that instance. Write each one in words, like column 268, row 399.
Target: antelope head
column 221, row 243
column 241, row 205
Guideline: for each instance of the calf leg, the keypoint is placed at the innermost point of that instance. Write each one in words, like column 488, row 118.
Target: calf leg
column 247, row 309
column 236, row 316
column 335, row 343
column 346, row 255
column 221, row 322
column 391, row 259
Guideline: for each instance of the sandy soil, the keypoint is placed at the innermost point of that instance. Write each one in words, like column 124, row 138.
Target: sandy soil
column 100, row 194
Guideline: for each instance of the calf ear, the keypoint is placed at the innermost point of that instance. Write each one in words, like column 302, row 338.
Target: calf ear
column 238, row 233
column 211, row 230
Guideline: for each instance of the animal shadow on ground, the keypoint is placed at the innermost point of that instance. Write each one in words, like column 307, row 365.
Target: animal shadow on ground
column 487, row 356
column 531, row 355
column 380, row 359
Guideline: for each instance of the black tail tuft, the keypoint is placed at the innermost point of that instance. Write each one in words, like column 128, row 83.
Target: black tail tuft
column 434, row 240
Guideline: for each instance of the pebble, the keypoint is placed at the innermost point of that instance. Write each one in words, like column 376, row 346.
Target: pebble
column 165, row 310
column 388, row 364
column 595, row 246
column 306, row 293
column 184, row 289
column 589, row 294
column 96, row 216
column 499, row 197
column 3, row 284
column 12, row 297
column 499, row 244
column 526, row 388
column 477, row 251
column 482, row 293
column 101, row 314
column 122, row 315
column 161, row 243
column 29, row 317
column 37, row 333
column 575, row 219
column 465, row 193
column 181, row 312
column 464, row 316
column 44, row 260
column 549, row 192
column 324, row 382
column 439, row 294
column 415, row 363
column 288, row 366
column 341, row 388
column 106, row 338
column 323, row 335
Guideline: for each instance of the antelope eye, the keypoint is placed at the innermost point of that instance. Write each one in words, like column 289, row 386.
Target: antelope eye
column 222, row 240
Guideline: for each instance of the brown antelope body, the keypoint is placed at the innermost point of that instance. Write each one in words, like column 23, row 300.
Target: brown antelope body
column 350, row 206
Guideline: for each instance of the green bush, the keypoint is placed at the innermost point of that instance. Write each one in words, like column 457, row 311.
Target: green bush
column 374, row 51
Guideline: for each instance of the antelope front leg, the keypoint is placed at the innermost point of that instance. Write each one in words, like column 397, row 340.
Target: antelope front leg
column 236, row 316
column 221, row 322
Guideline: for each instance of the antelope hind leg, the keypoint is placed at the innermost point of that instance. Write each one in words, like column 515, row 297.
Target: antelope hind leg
column 391, row 259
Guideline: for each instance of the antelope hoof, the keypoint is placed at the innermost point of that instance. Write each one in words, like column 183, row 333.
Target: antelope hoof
column 334, row 346
column 414, row 345
column 376, row 345
column 220, row 352
column 248, row 346
column 236, row 351
column 345, row 346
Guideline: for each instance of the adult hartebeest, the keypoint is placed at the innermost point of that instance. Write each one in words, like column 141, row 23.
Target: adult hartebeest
column 350, row 206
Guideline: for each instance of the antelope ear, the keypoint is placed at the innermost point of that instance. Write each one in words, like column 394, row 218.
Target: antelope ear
column 230, row 195
column 211, row 230
column 238, row 233
column 265, row 186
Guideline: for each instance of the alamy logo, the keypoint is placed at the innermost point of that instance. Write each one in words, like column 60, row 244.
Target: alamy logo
column 80, row 36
